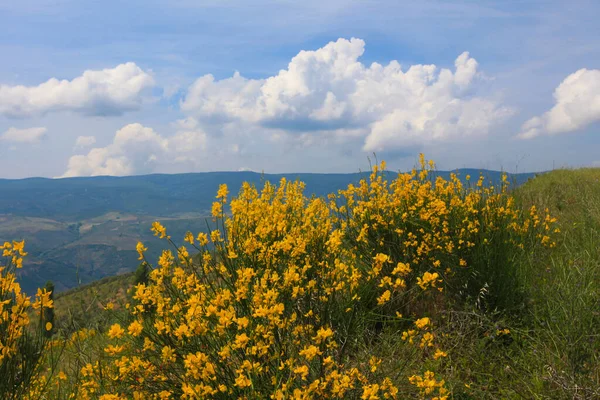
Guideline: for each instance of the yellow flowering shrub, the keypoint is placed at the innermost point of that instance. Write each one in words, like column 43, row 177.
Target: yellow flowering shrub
column 275, row 301
column 282, row 290
column 20, row 348
column 437, row 234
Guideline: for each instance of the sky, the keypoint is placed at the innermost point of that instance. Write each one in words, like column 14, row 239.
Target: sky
column 127, row 88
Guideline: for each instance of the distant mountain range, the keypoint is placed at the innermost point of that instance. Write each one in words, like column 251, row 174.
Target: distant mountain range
column 81, row 229
column 73, row 199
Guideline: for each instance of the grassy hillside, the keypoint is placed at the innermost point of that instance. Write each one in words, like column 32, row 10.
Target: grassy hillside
column 574, row 195
column 565, row 288
column 554, row 348
column 91, row 305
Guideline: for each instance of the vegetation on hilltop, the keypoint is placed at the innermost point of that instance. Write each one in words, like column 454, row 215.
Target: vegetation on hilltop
column 387, row 289
column 82, row 229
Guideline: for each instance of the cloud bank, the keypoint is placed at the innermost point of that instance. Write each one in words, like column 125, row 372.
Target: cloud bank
column 330, row 90
column 325, row 99
column 137, row 149
column 106, row 92
column 577, row 105
column 84, row 141
column 28, row 135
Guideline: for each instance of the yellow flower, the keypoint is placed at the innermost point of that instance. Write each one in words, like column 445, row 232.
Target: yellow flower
column 164, row 395
column 202, row 239
column 427, row 340
column 241, row 341
column 168, row 354
column 370, row 392
column 401, row 269
column 217, row 209
column 20, row 248
column 323, row 334
column 189, row 237
column 215, row 236
column 374, row 362
column 140, row 248
column 114, row 350
column 135, row 328
column 439, row 353
column 148, row 345
column 302, row 371
column 428, row 279
column 222, row 192
column 504, row 331
column 115, row 331
column 159, row 230
column 242, row 381
column 384, row 298
column 310, row 352
column 422, row 322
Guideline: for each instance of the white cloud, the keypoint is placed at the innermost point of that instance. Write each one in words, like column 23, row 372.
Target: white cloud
column 577, row 106
column 137, row 149
column 330, row 90
column 85, row 141
column 28, row 135
column 106, row 92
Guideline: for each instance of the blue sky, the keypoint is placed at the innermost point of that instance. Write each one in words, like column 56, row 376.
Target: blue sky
column 121, row 88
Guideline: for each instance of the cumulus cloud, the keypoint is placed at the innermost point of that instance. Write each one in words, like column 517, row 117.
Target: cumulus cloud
column 28, row 135
column 85, row 141
column 106, row 92
column 330, row 90
column 137, row 149
column 577, row 105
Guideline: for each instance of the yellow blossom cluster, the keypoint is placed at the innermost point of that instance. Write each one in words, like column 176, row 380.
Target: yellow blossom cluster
column 19, row 360
column 423, row 230
column 273, row 300
column 429, row 386
column 283, row 283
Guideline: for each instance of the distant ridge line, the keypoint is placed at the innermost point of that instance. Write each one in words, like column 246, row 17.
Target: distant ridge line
column 282, row 174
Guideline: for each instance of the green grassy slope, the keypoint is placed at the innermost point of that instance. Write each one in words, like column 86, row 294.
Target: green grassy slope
column 554, row 346
column 84, row 306
column 565, row 289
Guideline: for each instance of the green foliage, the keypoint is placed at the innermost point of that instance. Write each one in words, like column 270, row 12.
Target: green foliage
column 48, row 314
column 86, row 306
column 141, row 274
